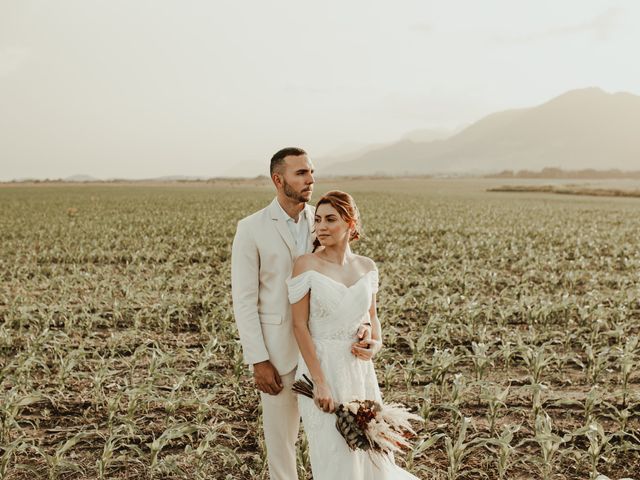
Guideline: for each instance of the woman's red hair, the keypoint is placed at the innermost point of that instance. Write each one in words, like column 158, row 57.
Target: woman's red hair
column 346, row 208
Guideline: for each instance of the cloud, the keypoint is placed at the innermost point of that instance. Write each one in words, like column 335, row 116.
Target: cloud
column 12, row 59
column 601, row 27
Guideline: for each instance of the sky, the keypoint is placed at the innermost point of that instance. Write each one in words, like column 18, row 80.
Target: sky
column 141, row 89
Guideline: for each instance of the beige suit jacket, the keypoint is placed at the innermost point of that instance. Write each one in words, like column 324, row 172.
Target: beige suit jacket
column 262, row 259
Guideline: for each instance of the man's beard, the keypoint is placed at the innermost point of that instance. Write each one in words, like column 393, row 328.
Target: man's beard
column 292, row 194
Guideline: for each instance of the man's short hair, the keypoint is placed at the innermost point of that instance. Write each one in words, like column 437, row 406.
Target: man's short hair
column 278, row 158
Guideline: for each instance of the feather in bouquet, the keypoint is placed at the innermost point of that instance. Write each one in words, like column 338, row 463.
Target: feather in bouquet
column 368, row 425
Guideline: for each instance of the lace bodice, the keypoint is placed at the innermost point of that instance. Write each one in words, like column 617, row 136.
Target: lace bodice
column 335, row 310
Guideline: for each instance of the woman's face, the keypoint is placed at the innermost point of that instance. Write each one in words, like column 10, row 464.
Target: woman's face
column 331, row 228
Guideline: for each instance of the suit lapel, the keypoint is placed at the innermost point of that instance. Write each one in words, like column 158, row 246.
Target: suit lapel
column 281, row 226
column 311, row 221
column 286, row 235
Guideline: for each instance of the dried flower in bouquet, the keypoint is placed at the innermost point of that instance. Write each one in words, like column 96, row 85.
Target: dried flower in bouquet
column 368, row 425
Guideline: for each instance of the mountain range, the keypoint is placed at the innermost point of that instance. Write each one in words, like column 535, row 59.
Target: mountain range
column 581, row 129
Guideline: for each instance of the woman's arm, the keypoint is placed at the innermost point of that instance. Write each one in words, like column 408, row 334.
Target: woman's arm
column 300, row 312
column 365, row 349
column 376, row 328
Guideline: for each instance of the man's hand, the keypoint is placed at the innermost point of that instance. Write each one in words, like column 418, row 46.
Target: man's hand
column 364, row 331
column 267, row 378
column 366, row 349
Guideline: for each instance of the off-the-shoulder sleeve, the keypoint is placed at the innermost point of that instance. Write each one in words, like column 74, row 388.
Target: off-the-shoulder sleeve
column 374, row 281
column 299, row 286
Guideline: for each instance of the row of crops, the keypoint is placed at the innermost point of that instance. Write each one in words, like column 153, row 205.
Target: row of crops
column 510, row 321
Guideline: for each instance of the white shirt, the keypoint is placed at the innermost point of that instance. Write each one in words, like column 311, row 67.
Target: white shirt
column 299, row 229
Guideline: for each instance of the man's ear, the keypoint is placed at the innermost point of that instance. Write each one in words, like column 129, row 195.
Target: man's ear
column 276, row 178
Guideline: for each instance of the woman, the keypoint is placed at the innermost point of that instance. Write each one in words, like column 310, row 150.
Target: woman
column 331, row 290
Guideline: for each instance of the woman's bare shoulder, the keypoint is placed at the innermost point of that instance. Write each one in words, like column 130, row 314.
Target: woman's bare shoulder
column 366, row 263
column 305, row 262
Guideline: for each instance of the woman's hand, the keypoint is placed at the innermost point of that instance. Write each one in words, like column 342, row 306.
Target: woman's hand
column 322, row 397
column 366, row 349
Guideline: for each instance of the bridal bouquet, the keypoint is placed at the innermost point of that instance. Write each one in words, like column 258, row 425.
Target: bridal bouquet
column 368, row 425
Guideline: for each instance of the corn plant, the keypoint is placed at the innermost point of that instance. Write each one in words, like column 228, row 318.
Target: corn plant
column 549, row 444
column 481, row 359
column 426, row 404
column 67, row 363
column 458, row 450
column 536, row 389
column 627, row 362
column 57, row 464
column 9, row 452
column 495, row 397
column 419, row 448
column 10, row 409
column 506, row 351
column 100, row 376
column 442, row 361
column 458, row 387
column 409, row 373
column 111, row 457
column 503, row 449
column 302, row 457
column 592, row 401
column 204, row 448
column 172, row 433
column 620, row 415
column 598, row 443
column 597, row 362
column 536, row 359
column 388, row 374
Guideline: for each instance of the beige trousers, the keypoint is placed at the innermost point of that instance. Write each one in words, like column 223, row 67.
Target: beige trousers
column 281, row 423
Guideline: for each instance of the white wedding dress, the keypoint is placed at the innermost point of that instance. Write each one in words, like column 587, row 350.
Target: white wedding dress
column 336, row 312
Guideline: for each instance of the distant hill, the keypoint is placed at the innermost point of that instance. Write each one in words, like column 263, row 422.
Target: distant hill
column 177, row 178
column 81, row 178
column 325, row 164
column 581, row 129
column 168, row 178
column 342, row 156
column 428, row 134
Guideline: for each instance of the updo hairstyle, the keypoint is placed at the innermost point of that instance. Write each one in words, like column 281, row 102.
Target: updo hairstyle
column 346, row 208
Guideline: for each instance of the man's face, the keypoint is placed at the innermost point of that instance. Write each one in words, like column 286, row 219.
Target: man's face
column 297, row 178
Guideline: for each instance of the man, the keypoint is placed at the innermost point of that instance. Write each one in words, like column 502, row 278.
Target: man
column 264, row 248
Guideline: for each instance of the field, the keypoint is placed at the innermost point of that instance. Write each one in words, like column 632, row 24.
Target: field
column 568, row 190
column 510, row 321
